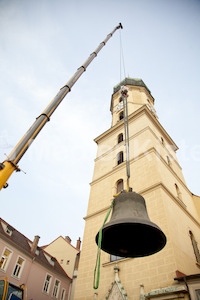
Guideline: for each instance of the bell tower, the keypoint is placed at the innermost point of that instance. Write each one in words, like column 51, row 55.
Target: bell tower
column 137, row 98
column 157, row 176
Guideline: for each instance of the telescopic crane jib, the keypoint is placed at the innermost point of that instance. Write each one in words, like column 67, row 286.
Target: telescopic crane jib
column 10, row 164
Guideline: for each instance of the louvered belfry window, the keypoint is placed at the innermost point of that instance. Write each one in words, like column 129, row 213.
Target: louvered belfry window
column 120, row 138
column 120, row 157
column 121, row 115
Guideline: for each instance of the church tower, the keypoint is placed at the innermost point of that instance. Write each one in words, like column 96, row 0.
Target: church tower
column 173, row 272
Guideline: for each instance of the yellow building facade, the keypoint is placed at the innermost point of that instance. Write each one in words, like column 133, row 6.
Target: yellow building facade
column 68, row 257
column 157, row 176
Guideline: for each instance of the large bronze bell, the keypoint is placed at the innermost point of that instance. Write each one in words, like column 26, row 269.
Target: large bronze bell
column 130, row 233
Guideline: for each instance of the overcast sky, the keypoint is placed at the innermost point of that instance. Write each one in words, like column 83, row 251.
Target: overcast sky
column 42, row 43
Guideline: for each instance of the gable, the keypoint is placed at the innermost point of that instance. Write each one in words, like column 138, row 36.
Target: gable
column 115, row 293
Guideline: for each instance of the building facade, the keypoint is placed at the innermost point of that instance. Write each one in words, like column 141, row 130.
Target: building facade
column 24, row 263
column 68, row 257
column 156, row 174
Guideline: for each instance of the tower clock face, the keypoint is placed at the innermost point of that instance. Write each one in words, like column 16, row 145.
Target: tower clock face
column 119, row 106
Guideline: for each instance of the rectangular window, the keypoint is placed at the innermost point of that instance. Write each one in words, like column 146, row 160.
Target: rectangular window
column 5, row 259
column 63, row 294
column 18, row 267
column 47, row 284
column 56, row 288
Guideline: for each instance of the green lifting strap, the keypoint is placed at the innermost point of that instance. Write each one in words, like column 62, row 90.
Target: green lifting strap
column 97, row 266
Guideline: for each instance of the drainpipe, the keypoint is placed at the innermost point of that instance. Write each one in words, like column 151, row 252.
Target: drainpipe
column 185, row 280
column 26, row 281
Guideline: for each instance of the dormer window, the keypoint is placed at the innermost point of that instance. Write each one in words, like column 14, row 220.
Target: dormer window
column 9, row 230
column 37, row 251
column 52, row 261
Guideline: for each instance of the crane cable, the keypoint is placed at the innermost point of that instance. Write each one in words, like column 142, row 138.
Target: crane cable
column 122, row 63
column 98, row 259
column 124, row 95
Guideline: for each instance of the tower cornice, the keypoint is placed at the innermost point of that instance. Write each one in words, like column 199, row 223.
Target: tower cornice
column 142, row 110
column 131, row 81
column 141, row 155
column 146, row 191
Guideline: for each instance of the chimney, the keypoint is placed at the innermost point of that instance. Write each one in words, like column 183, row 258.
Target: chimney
column 35, row 244
column 78, row 244
column 68, row 239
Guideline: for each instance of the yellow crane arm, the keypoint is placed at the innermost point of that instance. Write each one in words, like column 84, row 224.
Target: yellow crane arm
column 10, row 164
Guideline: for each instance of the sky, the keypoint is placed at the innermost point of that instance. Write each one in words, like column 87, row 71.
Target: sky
column 42, row 43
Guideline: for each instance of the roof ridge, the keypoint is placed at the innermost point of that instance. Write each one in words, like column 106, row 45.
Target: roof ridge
column 64, row 240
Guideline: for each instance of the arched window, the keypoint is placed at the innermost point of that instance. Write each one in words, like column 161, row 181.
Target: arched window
column 121, row 115
column 120, row 99
column 120, row 157
column 120, row 138
column 162, row 141
column 195, row 246
column 120, row 185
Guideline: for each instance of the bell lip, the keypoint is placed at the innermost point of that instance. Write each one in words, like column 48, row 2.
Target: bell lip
column 154, row 251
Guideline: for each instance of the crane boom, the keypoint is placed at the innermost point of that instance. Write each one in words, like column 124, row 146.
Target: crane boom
column 10, row 164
